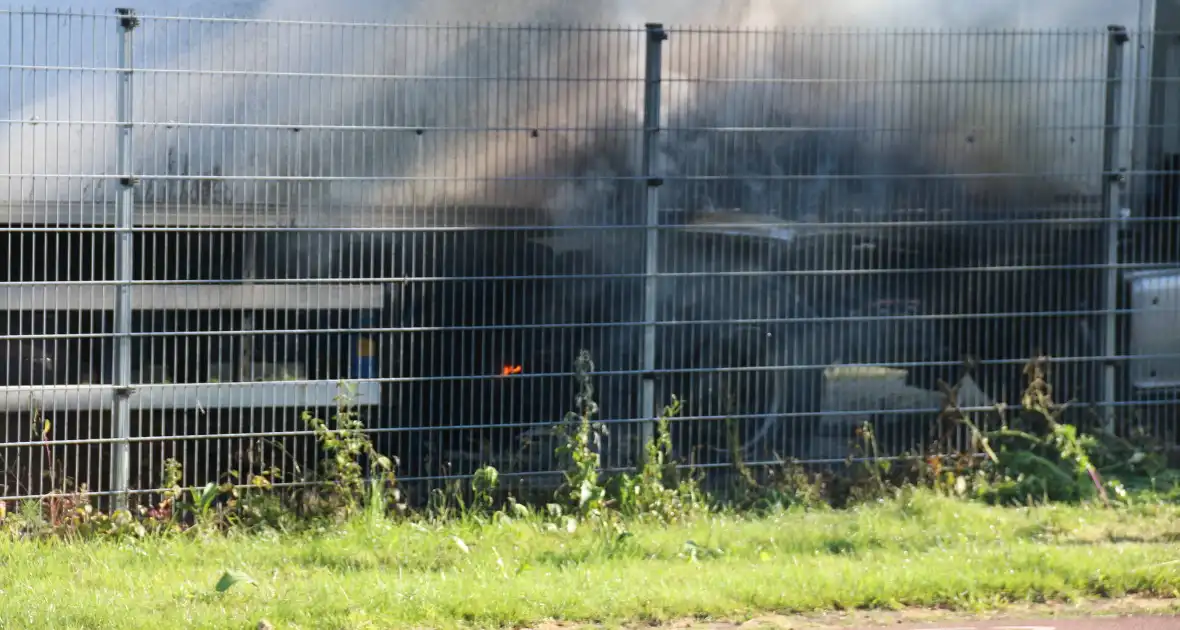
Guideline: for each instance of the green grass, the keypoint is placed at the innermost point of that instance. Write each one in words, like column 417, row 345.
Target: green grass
column 923, row 551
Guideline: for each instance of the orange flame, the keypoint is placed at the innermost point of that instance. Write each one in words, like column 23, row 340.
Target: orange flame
column 511, row 369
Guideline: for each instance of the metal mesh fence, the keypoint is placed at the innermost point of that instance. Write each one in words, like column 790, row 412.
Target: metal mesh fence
column 217, row 226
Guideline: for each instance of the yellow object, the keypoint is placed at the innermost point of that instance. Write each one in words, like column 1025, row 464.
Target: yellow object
column 364, row 347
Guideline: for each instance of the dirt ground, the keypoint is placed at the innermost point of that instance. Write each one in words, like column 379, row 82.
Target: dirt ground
column 1119, row 614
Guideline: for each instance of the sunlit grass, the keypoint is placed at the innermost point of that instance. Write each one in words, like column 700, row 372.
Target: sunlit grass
column 923, row 551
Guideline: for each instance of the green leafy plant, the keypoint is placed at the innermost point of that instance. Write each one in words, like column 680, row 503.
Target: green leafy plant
column 484, row 484
column 785, row 485
column 659, row 490
column 344, row 480
column 583, row 438
column 1039, row 458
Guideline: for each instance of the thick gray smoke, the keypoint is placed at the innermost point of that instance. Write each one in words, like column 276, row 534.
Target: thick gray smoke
column 900, row 104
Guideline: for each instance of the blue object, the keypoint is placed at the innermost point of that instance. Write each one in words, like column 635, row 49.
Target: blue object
column 364, row 349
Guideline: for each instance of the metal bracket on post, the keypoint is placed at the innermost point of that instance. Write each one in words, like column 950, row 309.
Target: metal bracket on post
column 124, row 202
column 651, row 128
column 127, row 20
column 1116, row 159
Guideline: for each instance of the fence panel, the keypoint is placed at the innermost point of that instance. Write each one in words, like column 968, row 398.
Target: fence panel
column 791, row 232
column 57, row 73
column 1147, row 342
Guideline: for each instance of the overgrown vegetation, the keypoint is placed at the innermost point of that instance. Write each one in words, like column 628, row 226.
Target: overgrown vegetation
column 998, row 522
column 1030, row 456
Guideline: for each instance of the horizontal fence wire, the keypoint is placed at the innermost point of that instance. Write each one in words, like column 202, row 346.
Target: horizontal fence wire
column 435, row 226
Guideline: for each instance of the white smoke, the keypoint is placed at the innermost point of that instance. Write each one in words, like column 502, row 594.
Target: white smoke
column 952, row 103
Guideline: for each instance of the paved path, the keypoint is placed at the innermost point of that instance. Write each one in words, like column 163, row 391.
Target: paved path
column 1100, row 623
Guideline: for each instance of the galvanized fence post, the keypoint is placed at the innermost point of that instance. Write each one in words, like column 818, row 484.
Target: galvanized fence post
column 1116, row 160
column 124, row 202
column 651, row 128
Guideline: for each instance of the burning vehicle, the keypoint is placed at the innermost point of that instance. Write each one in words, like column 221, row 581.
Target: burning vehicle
column 778, row 337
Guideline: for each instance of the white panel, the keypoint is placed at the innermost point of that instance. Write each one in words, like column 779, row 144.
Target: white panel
column 146, row 297
column 1155, row 329
column 186, row 396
